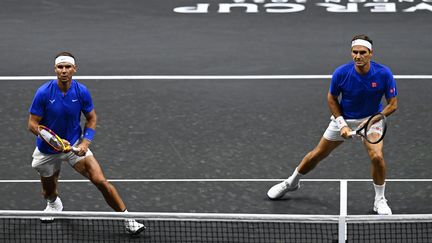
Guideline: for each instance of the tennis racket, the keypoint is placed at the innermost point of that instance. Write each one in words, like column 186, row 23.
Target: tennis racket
column 373, row 131
column 52, row 139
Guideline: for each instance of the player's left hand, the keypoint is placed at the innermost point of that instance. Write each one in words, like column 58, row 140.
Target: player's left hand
column 67, row 146
column 83, row 147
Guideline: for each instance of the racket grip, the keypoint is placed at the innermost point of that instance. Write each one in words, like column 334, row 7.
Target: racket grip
column 352, row 133
column 75, row 149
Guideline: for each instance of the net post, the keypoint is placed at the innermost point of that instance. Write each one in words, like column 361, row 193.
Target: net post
column 343, row 211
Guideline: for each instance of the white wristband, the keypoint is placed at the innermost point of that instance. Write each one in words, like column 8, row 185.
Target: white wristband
column 340, row 121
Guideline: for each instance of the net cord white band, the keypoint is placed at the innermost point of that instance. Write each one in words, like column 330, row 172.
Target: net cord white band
column 397, row 218
column 361, row 42
column 66, row 59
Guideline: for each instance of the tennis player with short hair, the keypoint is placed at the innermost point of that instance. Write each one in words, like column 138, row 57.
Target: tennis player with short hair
column 58, row 104
column 361, row 84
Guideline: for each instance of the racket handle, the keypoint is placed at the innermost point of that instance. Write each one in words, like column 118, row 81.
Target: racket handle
column 75, row 149
column 352, row 133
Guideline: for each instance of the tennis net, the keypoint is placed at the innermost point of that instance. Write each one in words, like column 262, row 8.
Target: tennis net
column 25, row 226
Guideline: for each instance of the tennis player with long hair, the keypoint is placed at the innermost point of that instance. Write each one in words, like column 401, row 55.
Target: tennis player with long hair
column 58, row 105
column 361, row 84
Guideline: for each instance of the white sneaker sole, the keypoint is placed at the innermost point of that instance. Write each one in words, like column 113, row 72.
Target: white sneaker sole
column 285, row 192
column 137, row 232
column 375, row 209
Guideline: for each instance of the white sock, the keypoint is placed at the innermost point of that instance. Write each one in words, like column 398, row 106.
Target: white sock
column 379, row 191
column 294, row 179
column 127, row 220
column 52, row 200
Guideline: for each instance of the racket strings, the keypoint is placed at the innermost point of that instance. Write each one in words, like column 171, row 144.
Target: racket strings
column 375, row 129
column 55, row 142
column 51, row 139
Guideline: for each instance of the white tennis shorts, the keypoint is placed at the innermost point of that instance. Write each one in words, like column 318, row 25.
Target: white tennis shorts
column 47, row 164
column 332, row 133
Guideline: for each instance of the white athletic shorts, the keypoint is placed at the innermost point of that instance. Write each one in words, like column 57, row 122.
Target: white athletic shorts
column 47, row 164
column 332, row 133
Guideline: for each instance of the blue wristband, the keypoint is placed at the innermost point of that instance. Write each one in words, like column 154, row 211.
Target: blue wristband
column 89, row 133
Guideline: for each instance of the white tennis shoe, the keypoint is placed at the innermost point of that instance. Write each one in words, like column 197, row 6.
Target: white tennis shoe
column 133, row 227
column 279, row 190
column 56, row 206
column 381, row 207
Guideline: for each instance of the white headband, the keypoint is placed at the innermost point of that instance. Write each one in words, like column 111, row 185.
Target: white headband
column 67, row 59
column 361, row 42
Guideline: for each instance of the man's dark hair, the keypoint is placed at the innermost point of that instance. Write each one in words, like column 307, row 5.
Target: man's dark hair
column 65, row 53
column 362, row 37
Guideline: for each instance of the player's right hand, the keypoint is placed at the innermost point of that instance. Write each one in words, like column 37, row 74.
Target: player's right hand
column 345, row 132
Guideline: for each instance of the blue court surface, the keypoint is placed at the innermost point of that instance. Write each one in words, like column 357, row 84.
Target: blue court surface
column 172, row 141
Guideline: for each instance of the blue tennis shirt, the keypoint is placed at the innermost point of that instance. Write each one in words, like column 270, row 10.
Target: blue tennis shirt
column 362, row 94
column 61, row 112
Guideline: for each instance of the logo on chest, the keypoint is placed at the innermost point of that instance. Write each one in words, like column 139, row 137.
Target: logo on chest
column 374, row 84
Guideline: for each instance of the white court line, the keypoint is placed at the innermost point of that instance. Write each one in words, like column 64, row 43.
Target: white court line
column 343, row 211
column 185, row 77
column 219, row 180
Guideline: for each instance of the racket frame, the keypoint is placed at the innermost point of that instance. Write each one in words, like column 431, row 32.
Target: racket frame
column 64, row 146
column 362, row 130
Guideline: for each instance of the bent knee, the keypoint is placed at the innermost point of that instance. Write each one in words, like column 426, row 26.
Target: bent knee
column 101, row 183
column 377, row 159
